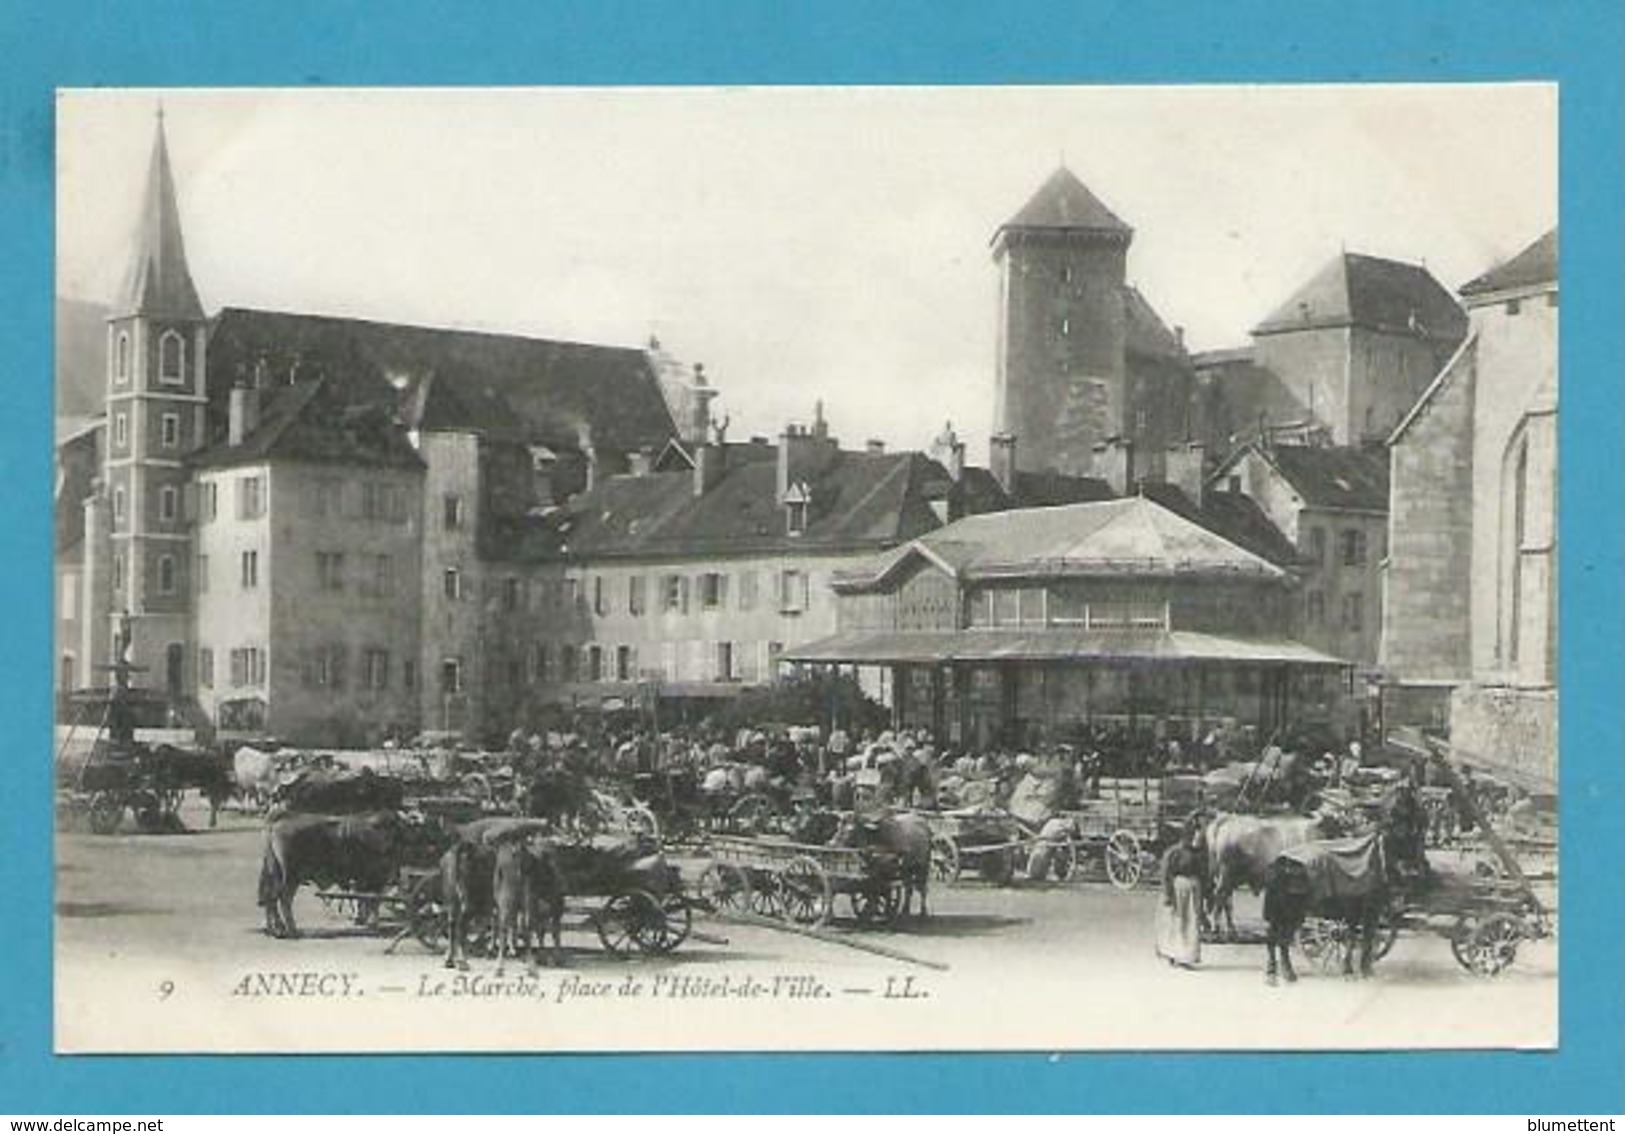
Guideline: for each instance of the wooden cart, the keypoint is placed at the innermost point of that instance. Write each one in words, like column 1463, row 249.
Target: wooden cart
column 798, row 882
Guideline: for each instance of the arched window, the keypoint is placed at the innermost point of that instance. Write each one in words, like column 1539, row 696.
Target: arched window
column 171, row 358
column 121, row 358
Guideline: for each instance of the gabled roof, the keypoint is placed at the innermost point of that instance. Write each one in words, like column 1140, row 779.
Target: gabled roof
column 313, row 422
column 1534, row 266
column 1145, row 333
column 860, row 501
column 159, row 282
column 1345, row 477
column 1063, row 203
column 1374, row 293
column 1132, row 537
column 1233, row 515
column 560, row 394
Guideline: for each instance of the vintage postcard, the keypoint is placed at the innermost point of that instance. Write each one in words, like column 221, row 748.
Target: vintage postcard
column 806, row 569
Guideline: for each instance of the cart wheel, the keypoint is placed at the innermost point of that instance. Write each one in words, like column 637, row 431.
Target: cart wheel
column 426, row 915
column 624, row 922
column 805, row 895
column 762, row 896
column 1486, row 948
column 1323, row 942
column 1124, row 865
column 997, row 867
column 877, row 905
column 944, row 859
column 665, row 927
column 640, row 821
column 749, row 813
column 725, row 888
column 106, row 812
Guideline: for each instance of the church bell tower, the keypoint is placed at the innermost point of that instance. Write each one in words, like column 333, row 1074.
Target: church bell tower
column 155, row 408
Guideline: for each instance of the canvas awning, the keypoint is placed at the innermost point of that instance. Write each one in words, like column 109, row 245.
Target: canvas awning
column 1054, row 645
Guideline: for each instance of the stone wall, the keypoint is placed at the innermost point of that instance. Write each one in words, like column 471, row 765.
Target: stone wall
column 1506, row 728
column 1426, row 616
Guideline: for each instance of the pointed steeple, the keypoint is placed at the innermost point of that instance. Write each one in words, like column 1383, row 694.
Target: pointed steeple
column 159, row 283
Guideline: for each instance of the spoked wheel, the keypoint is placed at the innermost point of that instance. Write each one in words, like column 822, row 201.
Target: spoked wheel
column 944, row 859
column 1486, row 948
column 1324, row 943
column 641, row 821
column 877, row 905
column 666, row 927
column 426, row 915
column 1124, row 865
column 629, row 920
column 106, row 812
column 805, row 894
column 725, row 888
column 749, row 814
column 762, row 896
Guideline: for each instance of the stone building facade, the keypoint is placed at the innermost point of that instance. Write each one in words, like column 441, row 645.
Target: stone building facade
column 1474, row 556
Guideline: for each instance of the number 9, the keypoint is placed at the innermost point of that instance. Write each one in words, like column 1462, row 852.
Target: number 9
column 166, row 989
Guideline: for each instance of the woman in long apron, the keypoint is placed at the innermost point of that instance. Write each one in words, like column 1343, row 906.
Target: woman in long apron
column 1179, row 919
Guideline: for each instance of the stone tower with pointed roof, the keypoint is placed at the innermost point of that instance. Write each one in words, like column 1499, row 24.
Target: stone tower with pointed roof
column 1061, row 370
column 155, row 419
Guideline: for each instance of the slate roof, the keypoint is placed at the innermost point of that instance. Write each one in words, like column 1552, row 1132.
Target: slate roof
column 1132, row 537
column 1146, row 333
column 1069, row 643
column 1374, row 293
column 548, row 392
column 1535, row 265
column 315, row 423
column 860, row 501
column 1063, row 203
column 158, row 282
column 1347, row 477
column 1235, row 516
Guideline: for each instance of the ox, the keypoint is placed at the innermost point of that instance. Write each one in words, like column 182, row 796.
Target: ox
column 359, row 852
column 527, row 884
column 905, row 836
column 467, row 871
column 1240, row 849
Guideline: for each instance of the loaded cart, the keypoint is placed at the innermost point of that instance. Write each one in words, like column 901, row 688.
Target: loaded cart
column 1130, row 822
column 798, row 882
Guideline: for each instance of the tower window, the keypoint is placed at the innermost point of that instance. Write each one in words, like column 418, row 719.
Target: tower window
column 171, row 358
column 121, row 358
column 169, row 431
column 452, row 583
column 166, row 574
column 118, row 505
column 121, row 429
column 168, row 504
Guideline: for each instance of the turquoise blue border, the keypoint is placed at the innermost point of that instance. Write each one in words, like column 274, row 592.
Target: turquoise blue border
column 422, row 42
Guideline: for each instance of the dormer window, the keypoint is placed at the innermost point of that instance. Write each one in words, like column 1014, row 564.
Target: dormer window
column 171, row 358
column 796, row 509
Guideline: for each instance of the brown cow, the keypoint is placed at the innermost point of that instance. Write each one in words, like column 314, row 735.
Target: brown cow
column 1241, row 848
column 357, row 852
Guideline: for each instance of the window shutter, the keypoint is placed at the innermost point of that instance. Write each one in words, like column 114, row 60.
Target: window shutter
column 682, row 590
column 189, row 502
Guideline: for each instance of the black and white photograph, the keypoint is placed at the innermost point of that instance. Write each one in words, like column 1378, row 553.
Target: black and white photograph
column 806, row 568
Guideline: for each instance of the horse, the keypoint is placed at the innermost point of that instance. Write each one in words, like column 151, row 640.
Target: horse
column 1240, row 849
column 1351, row 881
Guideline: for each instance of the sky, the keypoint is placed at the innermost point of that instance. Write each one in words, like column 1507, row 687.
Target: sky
column 803, row 243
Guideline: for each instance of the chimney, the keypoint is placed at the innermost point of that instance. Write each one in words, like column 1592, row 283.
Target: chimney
column 874, row 445
column 956, row 461
column 244, row 414
column 589, row 452
column 710, row 462
column 1001, row 459
column 1114, row 460
column 1185, row 469
column 820, row 428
